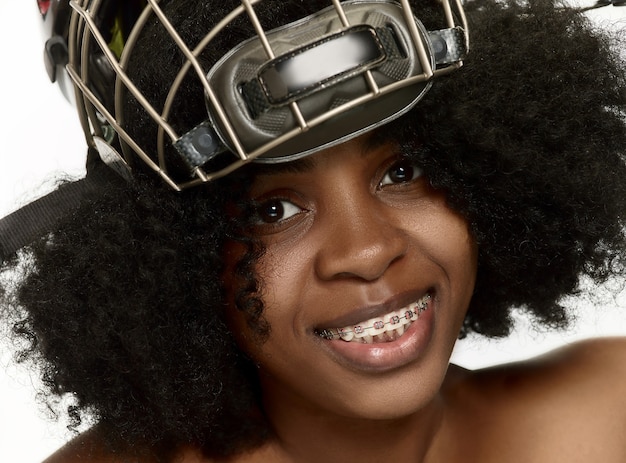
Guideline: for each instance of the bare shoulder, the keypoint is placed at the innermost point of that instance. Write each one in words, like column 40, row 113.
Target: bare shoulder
column 587, row 376
column 594, row 369
column 86, row 447
column 594, row 353
column 568, row 405
column 593, row 365
column 90, row 447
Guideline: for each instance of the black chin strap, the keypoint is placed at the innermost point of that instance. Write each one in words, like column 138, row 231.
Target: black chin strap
column 41, row 216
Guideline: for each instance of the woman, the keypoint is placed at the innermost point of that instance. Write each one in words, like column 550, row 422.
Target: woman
column 306, row 310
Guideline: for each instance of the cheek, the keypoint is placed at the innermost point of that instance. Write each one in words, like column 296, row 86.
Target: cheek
column 443, row 233
column 457, row 246
column 271, row 276
column 459, row 257
column 445, row 238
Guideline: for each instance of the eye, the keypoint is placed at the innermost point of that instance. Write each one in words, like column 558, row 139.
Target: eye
column 275, row 210
column 403, row 171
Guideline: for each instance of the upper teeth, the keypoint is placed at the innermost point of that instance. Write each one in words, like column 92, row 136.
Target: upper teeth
column 366, row 331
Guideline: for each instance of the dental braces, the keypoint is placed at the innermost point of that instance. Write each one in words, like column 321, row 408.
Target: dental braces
column 409, row 314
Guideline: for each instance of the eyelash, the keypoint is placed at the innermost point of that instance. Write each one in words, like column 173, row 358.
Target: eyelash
column 414, row 173
column 271, row 212
column 279, row 206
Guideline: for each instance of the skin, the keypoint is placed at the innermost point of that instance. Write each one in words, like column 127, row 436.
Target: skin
column 355, row 240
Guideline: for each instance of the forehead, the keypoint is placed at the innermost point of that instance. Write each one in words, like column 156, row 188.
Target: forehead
column 364, row 145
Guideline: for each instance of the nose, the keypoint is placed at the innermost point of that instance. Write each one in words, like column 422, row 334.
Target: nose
column 360, row 239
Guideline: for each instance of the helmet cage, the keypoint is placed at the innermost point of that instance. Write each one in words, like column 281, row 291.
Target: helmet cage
column 278, row 96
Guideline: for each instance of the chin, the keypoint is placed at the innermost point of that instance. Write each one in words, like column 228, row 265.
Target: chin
column 393, row 395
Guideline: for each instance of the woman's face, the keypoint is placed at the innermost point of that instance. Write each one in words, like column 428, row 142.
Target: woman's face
column 366, row 280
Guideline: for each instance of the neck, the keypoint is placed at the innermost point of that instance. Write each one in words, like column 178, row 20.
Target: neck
column 307, row 434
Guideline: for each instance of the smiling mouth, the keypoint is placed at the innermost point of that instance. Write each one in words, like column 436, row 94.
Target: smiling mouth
column 387, row 328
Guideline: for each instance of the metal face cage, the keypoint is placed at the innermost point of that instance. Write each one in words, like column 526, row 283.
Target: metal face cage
column 280, row 95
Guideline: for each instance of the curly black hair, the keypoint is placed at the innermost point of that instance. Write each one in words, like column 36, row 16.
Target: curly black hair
column 122, row 305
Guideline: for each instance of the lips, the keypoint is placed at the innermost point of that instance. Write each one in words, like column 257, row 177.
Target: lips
column 386, row 328
column 398, row 345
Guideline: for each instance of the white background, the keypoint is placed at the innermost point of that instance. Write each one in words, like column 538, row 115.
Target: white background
column 40, row 138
